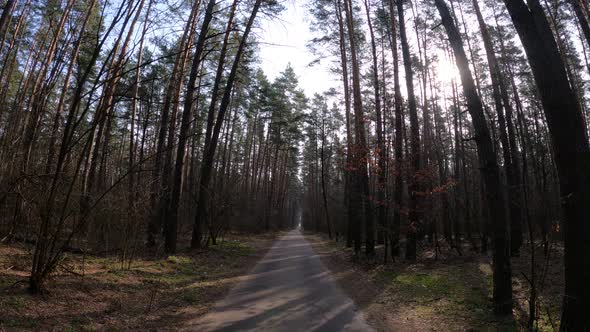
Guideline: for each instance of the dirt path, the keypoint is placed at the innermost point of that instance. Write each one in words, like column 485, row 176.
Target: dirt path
column 288, row 290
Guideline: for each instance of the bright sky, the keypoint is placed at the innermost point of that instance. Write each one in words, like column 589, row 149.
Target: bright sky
column 283, row 41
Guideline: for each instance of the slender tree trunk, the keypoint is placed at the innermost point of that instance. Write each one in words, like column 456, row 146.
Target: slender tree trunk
column 174, row 84
column 6, row 14
column 399, row 140
column 514, row 202
column 172, row 223
column 349, row 140
column 381, row 171
column 361, row 193
column 414, row 222
column 323, row 180
column 61, row 102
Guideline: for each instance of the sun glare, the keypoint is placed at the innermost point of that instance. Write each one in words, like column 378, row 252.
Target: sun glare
column 446, row 70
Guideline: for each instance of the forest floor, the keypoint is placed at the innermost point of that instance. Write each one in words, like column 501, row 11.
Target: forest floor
column 451, row 293
column 156, row 293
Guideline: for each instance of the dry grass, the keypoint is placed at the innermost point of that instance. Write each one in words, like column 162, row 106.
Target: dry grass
column 95, row 293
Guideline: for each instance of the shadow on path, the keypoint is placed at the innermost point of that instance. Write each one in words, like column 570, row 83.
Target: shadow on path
column 288, row 290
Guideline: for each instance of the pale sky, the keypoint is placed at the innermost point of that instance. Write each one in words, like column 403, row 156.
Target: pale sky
column 283, row 41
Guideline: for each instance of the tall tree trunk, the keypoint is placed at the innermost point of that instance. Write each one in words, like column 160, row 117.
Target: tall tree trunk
column 399, row 140
column 489, row 168
column 132, row 143
column 381, row 171
column 361, row 193
column 6, row 14
column 174, row 84
column 209, row 150
column 582, row 19
column 171, row 227
column 414, row 186
column 323, row 178
column 66, row 83
column 513, row 196
column 349, row 140
column 571, row 152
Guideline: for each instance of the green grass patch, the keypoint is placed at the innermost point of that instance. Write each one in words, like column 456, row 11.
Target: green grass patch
column 179, row 259
column 233, row 247
column 449, row 292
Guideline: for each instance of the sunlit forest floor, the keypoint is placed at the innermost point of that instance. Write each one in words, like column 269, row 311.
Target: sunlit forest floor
column 156, row 292
column 451, row 293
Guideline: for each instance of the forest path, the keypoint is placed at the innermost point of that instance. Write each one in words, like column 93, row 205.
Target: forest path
column 288, row 290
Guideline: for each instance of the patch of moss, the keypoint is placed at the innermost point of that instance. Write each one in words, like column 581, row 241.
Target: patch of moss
column 427, row 286
column 179, row 259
